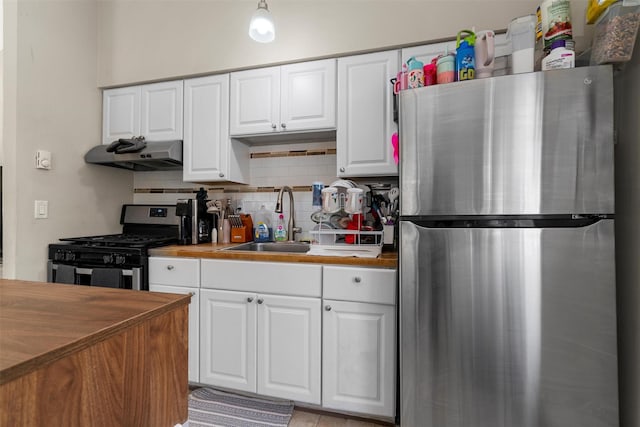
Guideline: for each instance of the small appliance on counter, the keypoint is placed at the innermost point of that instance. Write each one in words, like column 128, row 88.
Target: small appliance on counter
column 196, row 224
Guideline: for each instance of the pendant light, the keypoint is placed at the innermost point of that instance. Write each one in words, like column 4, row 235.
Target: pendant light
column 261, row 27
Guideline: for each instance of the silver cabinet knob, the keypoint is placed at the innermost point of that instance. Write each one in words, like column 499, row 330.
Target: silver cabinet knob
column 249, row 299
column 273, row 126
column 221, row 175
column 357, row 279
column 260, row 300
column 283, row 125
column 170, row 267
column 342, row 169
column 327, row 307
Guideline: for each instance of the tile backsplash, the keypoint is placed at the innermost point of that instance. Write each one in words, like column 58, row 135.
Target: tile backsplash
column 272, row 167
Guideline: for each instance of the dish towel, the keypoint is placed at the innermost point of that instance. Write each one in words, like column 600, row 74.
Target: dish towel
column 107, row 277
column 65, row 274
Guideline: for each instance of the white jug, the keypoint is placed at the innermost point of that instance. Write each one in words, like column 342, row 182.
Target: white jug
column 521, row 33
column 485, row 53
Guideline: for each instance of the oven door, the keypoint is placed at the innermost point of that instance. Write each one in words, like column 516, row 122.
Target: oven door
column 58, row 272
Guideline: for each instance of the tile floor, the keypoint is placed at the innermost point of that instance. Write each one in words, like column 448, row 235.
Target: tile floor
column 302, row 418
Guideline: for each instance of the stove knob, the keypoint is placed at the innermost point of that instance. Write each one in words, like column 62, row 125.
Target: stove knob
column 120, row 259
column 107, row 259
column 59, row 255
column 69, row 256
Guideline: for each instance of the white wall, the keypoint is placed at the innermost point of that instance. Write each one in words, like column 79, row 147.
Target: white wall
column 52, row 103
column 148, row 40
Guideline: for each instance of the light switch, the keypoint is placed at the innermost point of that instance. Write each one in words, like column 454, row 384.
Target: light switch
column 41, row 209
column 43, row 159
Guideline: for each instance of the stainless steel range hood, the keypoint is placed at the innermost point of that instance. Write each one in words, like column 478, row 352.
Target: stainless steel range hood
column 156, row 155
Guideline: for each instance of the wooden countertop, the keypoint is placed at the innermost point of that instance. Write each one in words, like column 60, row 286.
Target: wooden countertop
column 44, row 322
column 213, row 251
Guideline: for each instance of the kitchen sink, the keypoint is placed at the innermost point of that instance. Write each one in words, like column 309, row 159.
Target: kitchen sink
column 289, row 247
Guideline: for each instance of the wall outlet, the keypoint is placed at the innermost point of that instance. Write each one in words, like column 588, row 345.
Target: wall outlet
column 41, row 209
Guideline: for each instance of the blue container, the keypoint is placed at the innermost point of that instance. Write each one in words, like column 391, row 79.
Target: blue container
column 465, row 56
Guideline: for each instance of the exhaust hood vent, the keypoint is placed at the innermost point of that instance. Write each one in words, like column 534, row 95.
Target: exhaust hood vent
column 152, row 156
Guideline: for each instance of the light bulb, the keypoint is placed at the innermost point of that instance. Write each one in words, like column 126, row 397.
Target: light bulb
column 261, row 28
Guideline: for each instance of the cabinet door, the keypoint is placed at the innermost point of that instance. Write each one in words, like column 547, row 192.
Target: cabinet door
column 308, row 95
column 255, row 101
column 120, row 113
column 161, row 111
column 194, row 325
column 289, row 347
column 228, row 339
column 358, row 358
column 365, row 115
column 206, row 128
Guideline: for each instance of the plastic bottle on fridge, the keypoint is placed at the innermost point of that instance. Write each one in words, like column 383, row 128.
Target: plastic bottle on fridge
column 559, row 57
column 465, row 56
column 280, row 232
column 263, row 230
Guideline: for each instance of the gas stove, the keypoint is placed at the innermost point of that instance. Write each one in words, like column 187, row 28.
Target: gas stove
column 144, row 227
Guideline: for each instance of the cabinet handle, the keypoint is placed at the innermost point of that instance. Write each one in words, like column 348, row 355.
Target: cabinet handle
column 273, row 126
column 341, row 169
column 260, row 300
column 221, row 175
column 249, row 299
column 283, row 125
column 357, row 279
column 170, row 267
column 327, row 307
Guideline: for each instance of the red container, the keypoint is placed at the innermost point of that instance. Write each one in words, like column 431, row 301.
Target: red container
column 429, row 74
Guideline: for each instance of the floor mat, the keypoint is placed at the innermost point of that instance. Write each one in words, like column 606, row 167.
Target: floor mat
column 209, row 407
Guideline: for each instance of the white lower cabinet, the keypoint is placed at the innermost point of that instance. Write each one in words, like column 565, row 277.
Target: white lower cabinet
column 181, row 276
column 264, row 336
column 324, row 335
column 359, row 340
column 228, row 339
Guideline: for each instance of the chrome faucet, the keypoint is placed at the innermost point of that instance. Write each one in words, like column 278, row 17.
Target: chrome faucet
column 291, row 229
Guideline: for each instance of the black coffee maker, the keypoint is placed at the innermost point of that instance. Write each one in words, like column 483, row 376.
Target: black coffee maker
column 195, row 223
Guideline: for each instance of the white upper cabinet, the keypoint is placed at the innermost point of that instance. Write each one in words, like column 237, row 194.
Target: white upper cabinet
column 120, row 113
column 296, row 97
column 365, row 115
column 209, row 154
column 153, row 111
column 308, row 95
column 255, row 101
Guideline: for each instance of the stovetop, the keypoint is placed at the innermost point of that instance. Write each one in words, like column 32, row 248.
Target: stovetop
column 143, row 227
column 123, row 240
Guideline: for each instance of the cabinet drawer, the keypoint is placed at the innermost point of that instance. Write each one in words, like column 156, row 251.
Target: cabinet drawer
column 174, row 271
column 373, row 285
column 270, row 277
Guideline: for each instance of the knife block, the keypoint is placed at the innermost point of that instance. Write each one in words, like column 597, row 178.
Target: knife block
column 245, row 233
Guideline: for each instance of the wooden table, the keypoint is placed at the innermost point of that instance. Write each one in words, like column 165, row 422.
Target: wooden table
column 88, row 356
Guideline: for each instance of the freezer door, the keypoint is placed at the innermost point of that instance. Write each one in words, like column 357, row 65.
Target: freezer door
column 508, row 327
column 532, row 143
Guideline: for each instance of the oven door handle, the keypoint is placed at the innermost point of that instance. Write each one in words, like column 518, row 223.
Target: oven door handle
column 135, row 273
column 89, row 271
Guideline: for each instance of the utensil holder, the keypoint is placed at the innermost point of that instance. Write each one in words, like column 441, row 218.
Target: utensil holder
column 244, row 233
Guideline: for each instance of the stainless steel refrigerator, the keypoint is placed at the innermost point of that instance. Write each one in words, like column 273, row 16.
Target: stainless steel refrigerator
column 507, row 277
